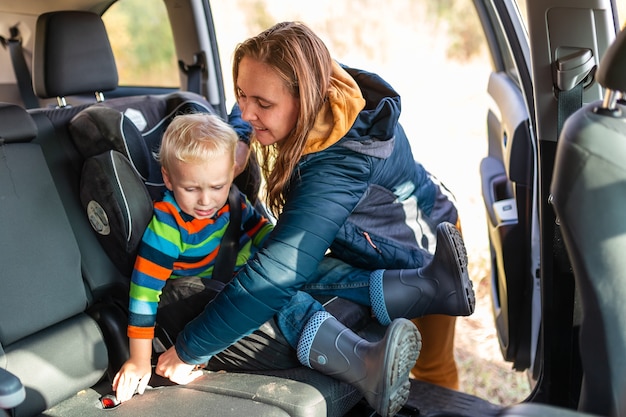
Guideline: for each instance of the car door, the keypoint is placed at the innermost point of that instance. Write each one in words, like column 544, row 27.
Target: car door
column 544, row 54
column 508, row 189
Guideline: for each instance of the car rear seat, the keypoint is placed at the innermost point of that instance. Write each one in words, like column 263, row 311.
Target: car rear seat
column 46, row 337
column 58, row 347
column 62, row 320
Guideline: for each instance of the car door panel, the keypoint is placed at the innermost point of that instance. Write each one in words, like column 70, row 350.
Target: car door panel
column 505, row 175
column 508, row 190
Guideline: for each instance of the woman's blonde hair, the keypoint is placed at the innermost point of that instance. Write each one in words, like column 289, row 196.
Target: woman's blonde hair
column 304, row 63
column 196, row 137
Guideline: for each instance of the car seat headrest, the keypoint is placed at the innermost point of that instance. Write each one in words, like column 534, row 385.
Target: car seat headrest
column 16, row 125
column 612, row 68
column 98, row 129
column 72, row 55
column 133, row 126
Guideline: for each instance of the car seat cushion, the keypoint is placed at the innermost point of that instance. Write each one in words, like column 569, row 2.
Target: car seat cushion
column 57, row 362
column 118, row 206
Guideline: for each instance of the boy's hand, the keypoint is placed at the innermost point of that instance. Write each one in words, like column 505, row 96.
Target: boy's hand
column 133, row 376
column 170, row 366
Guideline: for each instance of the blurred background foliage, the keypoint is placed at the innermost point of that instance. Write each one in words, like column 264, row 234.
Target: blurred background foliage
column 353, row 24
column 142, row 60
column 347, row 27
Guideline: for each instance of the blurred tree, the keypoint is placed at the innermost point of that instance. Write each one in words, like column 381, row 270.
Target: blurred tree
column 142, row 60
column 257, row 15
column 462, row 25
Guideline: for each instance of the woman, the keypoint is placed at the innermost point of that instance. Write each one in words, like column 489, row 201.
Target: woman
column 356, row 218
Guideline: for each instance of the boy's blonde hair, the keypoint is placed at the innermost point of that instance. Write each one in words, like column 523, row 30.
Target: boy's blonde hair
column 197, row 137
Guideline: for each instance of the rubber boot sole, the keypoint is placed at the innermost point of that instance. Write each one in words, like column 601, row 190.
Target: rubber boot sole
column 404, row 343
column 466, row 296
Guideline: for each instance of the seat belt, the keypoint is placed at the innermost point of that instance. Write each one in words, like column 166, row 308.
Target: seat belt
column 226, row 258
column 22, row 73
column 572, row 71
column 567, row 103
column 194, row 73
column 174, row 313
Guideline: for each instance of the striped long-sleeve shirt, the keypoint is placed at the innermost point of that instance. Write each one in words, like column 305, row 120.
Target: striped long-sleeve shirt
column 178, row 245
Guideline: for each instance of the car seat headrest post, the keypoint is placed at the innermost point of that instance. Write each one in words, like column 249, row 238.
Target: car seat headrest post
column 610, row 99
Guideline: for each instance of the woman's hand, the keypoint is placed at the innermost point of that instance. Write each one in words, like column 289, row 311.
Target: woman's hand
column 170, row 366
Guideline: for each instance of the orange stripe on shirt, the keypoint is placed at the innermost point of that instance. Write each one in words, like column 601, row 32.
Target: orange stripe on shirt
column 149, row 268
column 202, row 262
column 135, row 332
column 192, row 227
column 256, row 228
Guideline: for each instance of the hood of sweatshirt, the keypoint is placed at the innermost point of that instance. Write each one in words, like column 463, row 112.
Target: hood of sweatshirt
column 343, row 104
column 361, row 113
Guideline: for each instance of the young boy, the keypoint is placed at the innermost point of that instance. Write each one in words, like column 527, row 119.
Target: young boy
column 181, row 242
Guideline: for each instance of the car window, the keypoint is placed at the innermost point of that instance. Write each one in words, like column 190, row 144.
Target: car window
column 521, row 6
column 142, row 45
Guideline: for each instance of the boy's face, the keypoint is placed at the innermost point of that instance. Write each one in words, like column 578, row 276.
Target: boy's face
column 200, row 188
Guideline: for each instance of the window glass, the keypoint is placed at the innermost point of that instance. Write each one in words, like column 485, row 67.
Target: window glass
column 521, row 6
column 142, row 44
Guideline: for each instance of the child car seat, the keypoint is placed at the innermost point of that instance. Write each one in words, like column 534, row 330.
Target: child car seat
column 120, row 176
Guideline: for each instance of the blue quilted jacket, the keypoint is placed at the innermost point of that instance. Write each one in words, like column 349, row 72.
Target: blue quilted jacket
column 350, row 194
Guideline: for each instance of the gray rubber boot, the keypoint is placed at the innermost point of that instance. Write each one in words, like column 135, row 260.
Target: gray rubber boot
column 380, row 370
column 442, row 286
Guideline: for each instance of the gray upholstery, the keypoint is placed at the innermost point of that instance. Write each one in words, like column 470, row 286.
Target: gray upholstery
column 41, row 261
column 58, row 362
column 215, row 394
column 76, row 56
column 16, row 124
column 43, row 298
column 589, row 189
